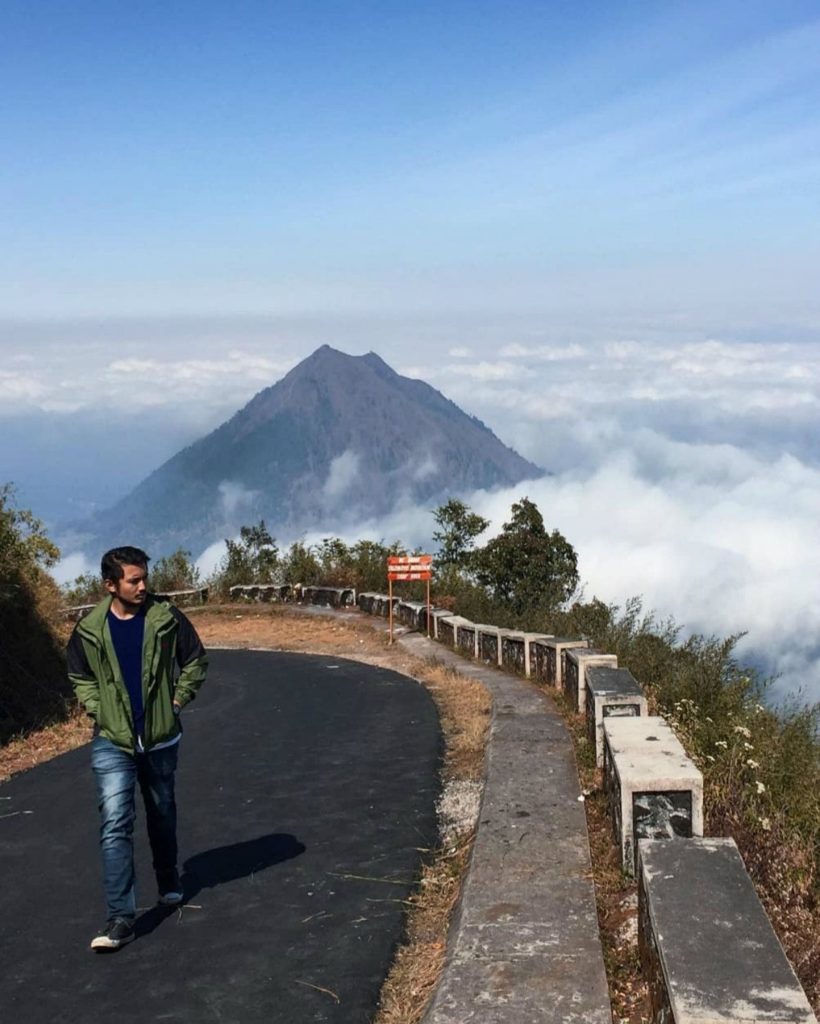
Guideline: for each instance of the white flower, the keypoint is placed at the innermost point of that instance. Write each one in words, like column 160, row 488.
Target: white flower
column 743, row 731
column 765, row 824
column 760, row 787
column 721, row 743
column 748, row 746
column 752, row 764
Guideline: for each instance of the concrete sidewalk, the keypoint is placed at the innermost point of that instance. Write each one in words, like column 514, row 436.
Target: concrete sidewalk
column 524, row 947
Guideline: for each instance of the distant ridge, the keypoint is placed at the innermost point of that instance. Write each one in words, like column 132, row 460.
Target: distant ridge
column 337, row 439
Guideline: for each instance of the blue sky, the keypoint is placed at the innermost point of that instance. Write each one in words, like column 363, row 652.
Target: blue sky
column 272, row 158
column 593, row 225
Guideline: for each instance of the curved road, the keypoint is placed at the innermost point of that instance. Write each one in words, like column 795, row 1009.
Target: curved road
column 306, row 787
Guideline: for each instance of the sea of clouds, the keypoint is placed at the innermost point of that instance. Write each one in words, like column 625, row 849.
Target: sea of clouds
column 688, row 474
column 686, row 471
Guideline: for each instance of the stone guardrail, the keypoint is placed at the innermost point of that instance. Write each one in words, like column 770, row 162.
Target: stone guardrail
column 376, row 604
column 278, row 592
column 333, row 597
column 411, row 613
column 708, row 950
column 653, row 789
column 197, row 595
column 574, row 664
column 517, row 650
column 611, row 693
column 548, row 659
column 697, row 973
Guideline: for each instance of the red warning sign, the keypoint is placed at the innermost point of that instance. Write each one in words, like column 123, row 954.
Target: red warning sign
column 409, row 567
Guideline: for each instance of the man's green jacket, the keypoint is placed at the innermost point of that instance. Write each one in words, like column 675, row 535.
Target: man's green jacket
column 170, row 643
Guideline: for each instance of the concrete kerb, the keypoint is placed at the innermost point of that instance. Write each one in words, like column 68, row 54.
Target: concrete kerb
column 524, row 945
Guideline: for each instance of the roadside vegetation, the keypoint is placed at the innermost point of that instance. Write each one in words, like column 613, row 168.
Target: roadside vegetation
column 761, row 763
column 34, row 689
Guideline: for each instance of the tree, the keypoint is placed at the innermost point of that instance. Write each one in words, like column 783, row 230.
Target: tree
column 87, row 588
column 261, row 550
column 174, row 572
column 25, row 550
column 456, row 538
column 334, row 558
column 300, row 565
column 369, row 562
column 254, row 558
column 526, row 567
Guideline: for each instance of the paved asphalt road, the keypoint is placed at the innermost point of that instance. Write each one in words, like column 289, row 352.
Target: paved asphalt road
column 306, row 786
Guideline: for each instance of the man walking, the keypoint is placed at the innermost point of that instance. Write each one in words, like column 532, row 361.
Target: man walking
column 134, row 661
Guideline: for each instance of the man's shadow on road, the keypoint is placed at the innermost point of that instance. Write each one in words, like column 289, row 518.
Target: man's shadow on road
column 224, row 864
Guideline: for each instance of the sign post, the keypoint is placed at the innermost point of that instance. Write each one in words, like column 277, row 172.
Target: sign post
column 408, row 568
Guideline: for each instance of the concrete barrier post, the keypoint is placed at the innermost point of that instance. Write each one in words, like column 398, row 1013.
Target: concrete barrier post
column 708, row 950
column 653, row 789
column 611, row 692
column 576, row 661
column 467, row 639
column 547, row 661
column 513, row 650
column 489, row 644
column 437, row 615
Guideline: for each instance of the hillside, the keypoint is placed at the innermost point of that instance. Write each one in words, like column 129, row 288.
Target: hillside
column 339, row 438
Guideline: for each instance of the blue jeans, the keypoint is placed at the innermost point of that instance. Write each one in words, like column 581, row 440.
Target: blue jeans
column 116, row 773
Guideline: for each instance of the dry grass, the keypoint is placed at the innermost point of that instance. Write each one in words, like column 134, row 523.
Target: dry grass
column 24, row 752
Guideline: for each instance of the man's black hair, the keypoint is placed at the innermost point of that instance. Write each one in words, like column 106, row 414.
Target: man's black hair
column 113, row 561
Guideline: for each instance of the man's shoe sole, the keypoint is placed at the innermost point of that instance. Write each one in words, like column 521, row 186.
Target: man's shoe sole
column 171, row 899
column 102, row 944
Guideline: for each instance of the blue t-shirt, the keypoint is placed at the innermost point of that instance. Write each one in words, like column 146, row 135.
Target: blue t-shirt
column 127, row 635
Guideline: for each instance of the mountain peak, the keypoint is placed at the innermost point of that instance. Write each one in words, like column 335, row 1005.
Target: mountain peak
column 340, row 438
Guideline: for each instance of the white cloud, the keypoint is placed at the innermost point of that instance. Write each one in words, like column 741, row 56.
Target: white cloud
column 20, row 388
column 543, row 353
column 484, row 371
column 722, row 554
column 344, row 470
column 73, row 565
column 685, row 468
column 427, row 467
column 210, row 558
column 233, row 497
column 71, row 378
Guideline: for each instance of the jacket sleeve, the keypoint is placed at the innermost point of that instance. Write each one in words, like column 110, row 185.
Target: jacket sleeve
column 86, row 687
column 191, row 658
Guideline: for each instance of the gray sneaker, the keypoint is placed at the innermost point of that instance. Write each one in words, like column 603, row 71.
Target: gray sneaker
column 117, row 933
